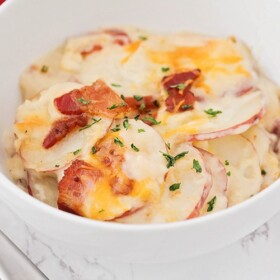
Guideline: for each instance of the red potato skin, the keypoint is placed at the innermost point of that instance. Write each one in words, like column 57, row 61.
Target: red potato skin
column 228, row 131
column 205, row 154
column 207, row 187
column 94, row 48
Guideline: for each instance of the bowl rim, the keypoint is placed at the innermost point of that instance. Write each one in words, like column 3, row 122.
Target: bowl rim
column 14, row 190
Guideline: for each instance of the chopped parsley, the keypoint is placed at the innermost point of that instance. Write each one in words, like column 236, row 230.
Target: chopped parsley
column 134, row 147
column 151, row 120
column 142, row 106
column 165, row 69
column 196, row 166
column 122, row 97
column 83, row 101
column 93, row 150
column 137, row 117
column 143, row 38
column 263, row 172
column 226, row 162
column 57, row 165
column 168, row 146
column 156, row 103
column 228, row 173
column 45, row 69
column 126, row 124
column 140, row 130
column 174, row 187
column 76, row 152
column 138, row 97
column 115, row 85
column 211, row 204
column 179, row 86
column 212, row 112
column 171, row 160
column 89, row 125
column 116, row 128
column 114, row 106
column 118, row 142
column 186, row 107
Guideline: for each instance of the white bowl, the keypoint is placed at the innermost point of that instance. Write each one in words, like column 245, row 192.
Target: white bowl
column 30, row 28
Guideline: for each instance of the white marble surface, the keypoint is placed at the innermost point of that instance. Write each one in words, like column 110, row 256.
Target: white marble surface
column 254, row 257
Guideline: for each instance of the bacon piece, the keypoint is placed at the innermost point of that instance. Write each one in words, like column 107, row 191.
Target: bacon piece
column 180, row 99
column 74, row 186
column 92, row 100
column 67, row 103
column 94, row 48
column 62, row 127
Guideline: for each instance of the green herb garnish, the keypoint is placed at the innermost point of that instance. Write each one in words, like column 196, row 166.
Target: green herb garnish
column 226, row 162
column 186, row 107
column 76, row 152
column 115, row 85
column 57, row 165
column 100, row 211
column 118, row 142
column 45, row 69
column 211, row 204
column 114, row 106
column 151, row 120
column 174, row 187
column 171, row 160
column 143, row 38
column 116, row 128
column 197, row 166
column 212, row 112
column 142, row 106
column 138, row 97
column 228, row 173
column 89, row 125
column 168, row 146
column 140, row 130
column 165, row 69
column 83, row 101
column 156, row 103
column 126, row 124
column 122, row 97
column 134, row 148
column 93, row 150
column 137, row 117
column 263, row 172
column 179, row 86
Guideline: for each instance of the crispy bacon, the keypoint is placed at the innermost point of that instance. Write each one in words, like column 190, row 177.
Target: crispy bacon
column 62, row 127
column 178, row 86
column 75, row 185
column 81, row 177
column 92, row 100
column 94, row 48
column 180, row 101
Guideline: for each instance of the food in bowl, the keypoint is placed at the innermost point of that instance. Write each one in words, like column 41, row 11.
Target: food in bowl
column 130, row 126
